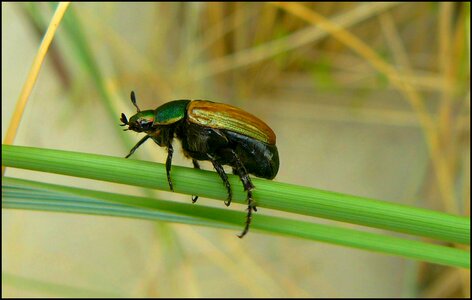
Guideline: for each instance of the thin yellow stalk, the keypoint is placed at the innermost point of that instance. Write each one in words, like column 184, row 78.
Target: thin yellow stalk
column 33, row 74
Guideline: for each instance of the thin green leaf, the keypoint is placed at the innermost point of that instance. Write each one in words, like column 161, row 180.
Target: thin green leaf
column 23, row 194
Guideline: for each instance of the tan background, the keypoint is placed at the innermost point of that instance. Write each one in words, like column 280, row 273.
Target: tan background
column 340, row 126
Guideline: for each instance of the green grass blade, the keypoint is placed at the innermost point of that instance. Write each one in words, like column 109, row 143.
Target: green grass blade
column 269, row 194
column 23, row 194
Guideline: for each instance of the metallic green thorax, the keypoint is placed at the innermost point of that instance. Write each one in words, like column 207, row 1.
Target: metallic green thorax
column 171, row 112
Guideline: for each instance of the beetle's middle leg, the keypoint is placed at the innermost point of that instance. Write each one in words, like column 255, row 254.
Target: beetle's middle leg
column 170, row 152
column 219, row 169
column 196, row 165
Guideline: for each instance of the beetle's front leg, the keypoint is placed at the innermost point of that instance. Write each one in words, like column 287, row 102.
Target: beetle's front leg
column 137, row 146
column 170, row 152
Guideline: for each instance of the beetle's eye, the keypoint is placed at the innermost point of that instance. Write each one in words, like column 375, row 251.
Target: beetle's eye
column 145, row 125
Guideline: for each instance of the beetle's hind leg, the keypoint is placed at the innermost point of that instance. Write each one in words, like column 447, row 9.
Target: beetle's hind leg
column 241, row 171
column 196, row 165
column 219, row 169
column 235, row 172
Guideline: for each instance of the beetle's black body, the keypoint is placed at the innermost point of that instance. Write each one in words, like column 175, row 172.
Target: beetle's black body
column 248, row 148
column 258, row 158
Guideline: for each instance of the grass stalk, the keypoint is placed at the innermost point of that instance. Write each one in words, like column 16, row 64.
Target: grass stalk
column 268, row 194
column 24, row 194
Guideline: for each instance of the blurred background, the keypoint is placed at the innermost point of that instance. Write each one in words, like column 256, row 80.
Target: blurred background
column 370, row 99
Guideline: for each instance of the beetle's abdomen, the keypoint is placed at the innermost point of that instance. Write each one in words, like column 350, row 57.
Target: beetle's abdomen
column 259, row 158
column 227, row 117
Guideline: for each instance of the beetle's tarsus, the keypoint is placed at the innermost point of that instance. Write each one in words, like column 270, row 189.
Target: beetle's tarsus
column 251, row 206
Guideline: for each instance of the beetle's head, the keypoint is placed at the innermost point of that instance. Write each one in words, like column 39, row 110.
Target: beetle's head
column 142, row 121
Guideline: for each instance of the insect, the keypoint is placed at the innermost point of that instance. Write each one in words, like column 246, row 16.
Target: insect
column 215, row 132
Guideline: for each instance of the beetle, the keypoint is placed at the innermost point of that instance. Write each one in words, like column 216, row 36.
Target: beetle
column 211, row 131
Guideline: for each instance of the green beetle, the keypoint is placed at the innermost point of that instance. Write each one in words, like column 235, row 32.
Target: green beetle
column 216, row 132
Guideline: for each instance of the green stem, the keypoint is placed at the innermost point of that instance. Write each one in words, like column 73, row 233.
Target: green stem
column 268, row 194
column 23, row 194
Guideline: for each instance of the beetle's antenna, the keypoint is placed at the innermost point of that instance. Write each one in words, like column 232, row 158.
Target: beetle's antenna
column 133, row 100
column 124, row 120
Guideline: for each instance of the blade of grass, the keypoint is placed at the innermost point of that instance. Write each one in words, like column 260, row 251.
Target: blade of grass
column 37, row 196
column 24, row 194
column 269, row 194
